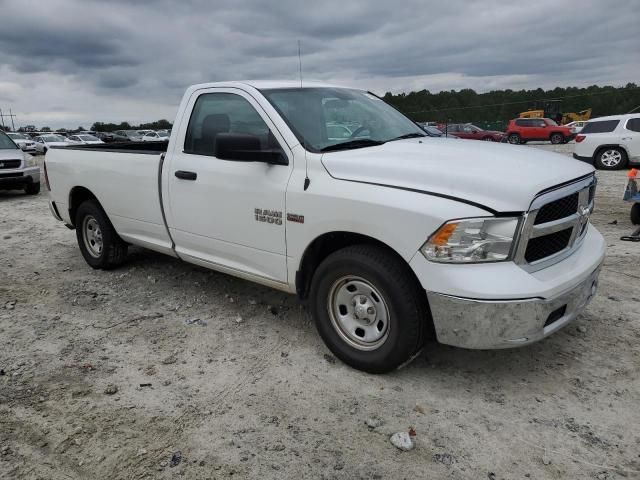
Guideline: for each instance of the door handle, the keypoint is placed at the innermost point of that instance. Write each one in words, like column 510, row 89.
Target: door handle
column 184, row 175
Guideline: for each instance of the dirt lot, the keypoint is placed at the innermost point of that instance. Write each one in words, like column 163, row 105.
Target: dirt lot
column 110, row 374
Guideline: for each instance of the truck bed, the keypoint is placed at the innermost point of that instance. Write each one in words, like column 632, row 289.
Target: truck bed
column 124, row 177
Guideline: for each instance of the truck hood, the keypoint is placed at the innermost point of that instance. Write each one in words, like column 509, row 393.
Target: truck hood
column 500, row 177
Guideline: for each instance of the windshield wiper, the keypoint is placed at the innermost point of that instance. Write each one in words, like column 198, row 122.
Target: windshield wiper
column 358, row 143
column 409, row 135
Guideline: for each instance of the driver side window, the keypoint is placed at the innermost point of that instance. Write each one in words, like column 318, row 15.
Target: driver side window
column 220, row 113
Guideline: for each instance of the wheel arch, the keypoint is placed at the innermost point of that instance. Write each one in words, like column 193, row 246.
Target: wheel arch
column 77, row 195
column 326, row 244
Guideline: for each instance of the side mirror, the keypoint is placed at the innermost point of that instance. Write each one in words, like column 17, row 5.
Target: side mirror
column 246, row 148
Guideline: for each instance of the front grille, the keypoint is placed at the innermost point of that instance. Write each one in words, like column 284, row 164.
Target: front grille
column 561, row 208
column 547, row 245
column 10, row 163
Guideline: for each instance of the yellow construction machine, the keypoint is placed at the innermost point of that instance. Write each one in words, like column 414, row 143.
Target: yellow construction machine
column 551, row 109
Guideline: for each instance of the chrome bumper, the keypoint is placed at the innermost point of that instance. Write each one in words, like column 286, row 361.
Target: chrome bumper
column 488, row 324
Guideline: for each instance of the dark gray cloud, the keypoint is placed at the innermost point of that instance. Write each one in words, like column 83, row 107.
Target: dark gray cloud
column 121, row 60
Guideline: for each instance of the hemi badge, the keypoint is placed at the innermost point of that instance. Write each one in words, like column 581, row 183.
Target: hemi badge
column 292, row 217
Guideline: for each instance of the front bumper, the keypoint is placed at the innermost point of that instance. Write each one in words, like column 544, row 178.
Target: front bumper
column 494, row 324
column 17, row 179
column 501, row 305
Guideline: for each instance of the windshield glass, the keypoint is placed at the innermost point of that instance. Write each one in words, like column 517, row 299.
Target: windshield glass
column 322, row 118
column 6, row 143
column 551, row 122
column 163, row 134
column 131, row 133
column 87, row 138
column 17, row 136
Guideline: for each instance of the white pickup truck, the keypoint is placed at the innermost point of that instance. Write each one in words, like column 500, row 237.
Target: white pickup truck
column 391, row 235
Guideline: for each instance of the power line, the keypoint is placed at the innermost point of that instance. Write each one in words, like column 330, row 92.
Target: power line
column 522, row 101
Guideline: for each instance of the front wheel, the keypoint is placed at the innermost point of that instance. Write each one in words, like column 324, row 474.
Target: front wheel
column 557, row 138
column 99, row 243
column 635, row 214
column 369, row 308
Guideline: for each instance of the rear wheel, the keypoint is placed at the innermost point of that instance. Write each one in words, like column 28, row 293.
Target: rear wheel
column 32, row 188
column 611, row 158
column 369, row 308
column 99, row 243
column 557, row 138
column 514, row 139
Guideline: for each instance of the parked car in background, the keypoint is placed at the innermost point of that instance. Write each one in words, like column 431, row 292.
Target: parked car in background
column 610, row 142
column 84, row 139
column 435, row 132
column 471, row 132
column 142, row 133
column 336, row 131
column 106, row 136
column 155, row 137
column 128, row 135
column 25, row 143
column 576, row 127
column 18, row 170
column 44, row 142
column 523, row 130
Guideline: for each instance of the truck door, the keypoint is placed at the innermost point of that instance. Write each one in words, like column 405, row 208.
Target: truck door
column 224, row 213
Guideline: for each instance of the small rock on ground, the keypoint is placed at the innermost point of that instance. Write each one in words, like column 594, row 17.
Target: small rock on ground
column 111, row 390
column 402, row 441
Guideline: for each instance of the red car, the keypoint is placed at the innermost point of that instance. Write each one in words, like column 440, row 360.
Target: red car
column 522, row 130
column 471, row 132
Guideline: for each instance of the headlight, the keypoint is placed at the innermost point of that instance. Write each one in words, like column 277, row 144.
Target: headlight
column 472, row 240
column 30, row 161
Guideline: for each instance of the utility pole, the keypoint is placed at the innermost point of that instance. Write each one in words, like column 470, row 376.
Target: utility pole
column 11, row 116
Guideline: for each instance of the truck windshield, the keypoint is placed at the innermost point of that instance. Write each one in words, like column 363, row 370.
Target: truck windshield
column 325, row 119
column 6, row 143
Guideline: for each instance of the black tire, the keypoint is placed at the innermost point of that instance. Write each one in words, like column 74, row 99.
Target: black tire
column 406, row 306
column 556, row 138
column 489, row 139
column 113, row 250
column 634, row 215
column 32, row 188
column 514, row 139
column 602, row 161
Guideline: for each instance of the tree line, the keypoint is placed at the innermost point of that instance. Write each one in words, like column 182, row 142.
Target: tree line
column 99, row 127
column 466, row 105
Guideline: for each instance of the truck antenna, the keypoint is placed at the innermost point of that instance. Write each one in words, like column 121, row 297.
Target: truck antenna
column 300, row 63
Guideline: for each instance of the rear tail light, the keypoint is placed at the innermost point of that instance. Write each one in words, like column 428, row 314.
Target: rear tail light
column 46, row 176
column 580, row 138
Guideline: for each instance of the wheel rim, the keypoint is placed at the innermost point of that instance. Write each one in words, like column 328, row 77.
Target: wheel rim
column 514, row 139
column 92, row 236
column 358, row 313
column 489, row 139
column 556, row 139
column 611, row 158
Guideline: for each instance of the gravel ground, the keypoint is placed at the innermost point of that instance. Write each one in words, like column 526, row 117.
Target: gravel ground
column 161, row 368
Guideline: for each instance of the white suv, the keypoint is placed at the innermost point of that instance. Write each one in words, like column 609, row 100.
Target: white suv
column 611, row 142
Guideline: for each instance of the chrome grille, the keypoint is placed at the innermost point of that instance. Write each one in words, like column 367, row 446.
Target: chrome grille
column 555, row 224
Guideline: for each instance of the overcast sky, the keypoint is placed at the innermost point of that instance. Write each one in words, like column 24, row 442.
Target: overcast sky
column 65, row 63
